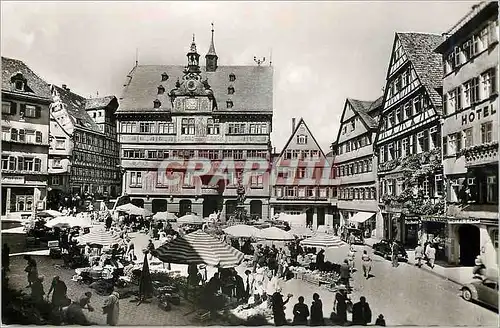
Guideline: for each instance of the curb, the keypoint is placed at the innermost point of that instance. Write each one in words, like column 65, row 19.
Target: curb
column 439, row 275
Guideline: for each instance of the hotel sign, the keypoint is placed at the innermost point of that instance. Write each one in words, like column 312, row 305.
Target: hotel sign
column 477, row 114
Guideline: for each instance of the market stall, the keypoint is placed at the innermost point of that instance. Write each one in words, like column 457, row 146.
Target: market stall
column 201, row 248
column 322, row 240
column 273, row 233
column 164, row 217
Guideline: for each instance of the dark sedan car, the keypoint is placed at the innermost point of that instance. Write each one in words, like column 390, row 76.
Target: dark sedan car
column 383, row 248
column 483, row 291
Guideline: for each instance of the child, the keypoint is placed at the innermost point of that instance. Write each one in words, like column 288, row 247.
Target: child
column 380, row 321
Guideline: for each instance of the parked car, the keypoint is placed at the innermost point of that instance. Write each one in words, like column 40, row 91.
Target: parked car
column 357, row 233
column 482, row 291
column 383, row 248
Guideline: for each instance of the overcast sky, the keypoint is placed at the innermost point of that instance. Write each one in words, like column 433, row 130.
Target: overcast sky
column 322, row 52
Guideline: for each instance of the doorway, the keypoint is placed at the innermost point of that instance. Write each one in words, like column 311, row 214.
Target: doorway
column 210, row 205
column 256, row 209
column 321, row 216
column 184, row 207
column 159, row 205
column 309, row 216
column 469, row 240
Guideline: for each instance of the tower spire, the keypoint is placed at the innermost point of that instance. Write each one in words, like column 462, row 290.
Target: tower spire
column 211, row 56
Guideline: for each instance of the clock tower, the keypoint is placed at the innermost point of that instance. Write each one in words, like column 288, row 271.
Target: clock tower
column 193, row 59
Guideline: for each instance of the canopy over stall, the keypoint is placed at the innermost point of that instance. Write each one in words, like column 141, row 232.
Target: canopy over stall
column 165, row 216
column 361, row 217
column 322, row 240
column 301, row 231
column 49, row 214
column 199, row 248
column 131, row 209
column 68, row 221
column 242, row 230
column 274, row 233
column 190, row 219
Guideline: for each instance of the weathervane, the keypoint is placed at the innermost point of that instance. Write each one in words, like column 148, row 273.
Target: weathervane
column 259, row 61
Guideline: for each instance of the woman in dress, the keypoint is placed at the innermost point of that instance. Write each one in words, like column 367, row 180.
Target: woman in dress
column 112, row 309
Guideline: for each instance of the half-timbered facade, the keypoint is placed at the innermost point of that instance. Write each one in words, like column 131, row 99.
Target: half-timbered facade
column 25, row 138
column 83, row 156
column 408, row 142
column 301, row 179
column 174, row 119
column 355, row 167
column 470, row 136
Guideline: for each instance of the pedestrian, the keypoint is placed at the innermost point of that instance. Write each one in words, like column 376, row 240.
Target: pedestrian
column 130, row 250
column 300, row 313
column 350, row 258
column 380, row 320
column 431, row 255
column 74, row 313
column 345, row 273
column 317, row 311
column 278, row 307
column 394, row 254
column 361, row 312
column 37, row 291
column 108, row 222
column 340, row 305
column 5, row 257
column 479, row 269
column 31, row 269
column 367, row 264
column 419, row 254
column 249, row 283
column 320, row 260
column 59, row 290
column 240, row 286
column 112, row 309
column 151, row 248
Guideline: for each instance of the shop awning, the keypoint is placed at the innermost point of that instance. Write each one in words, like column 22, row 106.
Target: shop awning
column 361, row 217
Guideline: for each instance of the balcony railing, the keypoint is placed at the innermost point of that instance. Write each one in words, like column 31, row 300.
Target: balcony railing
column 480, row 154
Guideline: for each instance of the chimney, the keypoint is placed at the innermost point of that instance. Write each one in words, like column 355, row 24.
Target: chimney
column 293, row 124
column 274, row 150
column 64, row 86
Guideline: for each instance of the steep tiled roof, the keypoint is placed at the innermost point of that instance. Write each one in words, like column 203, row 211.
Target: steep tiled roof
column 75, row 107
column 419, row 48
column 362, row 108
column 253, row 87
column 35, row 86
column 96, row 103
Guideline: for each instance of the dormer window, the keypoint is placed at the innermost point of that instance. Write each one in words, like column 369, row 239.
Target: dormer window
column 230, row 90
column 18, row 82
column 232, row 77
column 164, row 76
column 161, row 90
column 229, row 104
column 156, row 103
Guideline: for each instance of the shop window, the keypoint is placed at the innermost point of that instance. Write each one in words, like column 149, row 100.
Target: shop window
column 492, row 190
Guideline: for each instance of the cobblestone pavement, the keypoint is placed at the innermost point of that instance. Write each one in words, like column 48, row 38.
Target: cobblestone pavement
column 405, row 295
column 130, row 314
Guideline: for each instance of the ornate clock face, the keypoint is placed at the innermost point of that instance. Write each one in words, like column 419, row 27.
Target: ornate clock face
column 191, row 85
column 191, row 103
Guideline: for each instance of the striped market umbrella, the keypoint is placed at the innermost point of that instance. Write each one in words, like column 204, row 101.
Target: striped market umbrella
column 199, row 248
column 322, row 240
column 273, row 233
column 100, row 237
column 242, row 230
